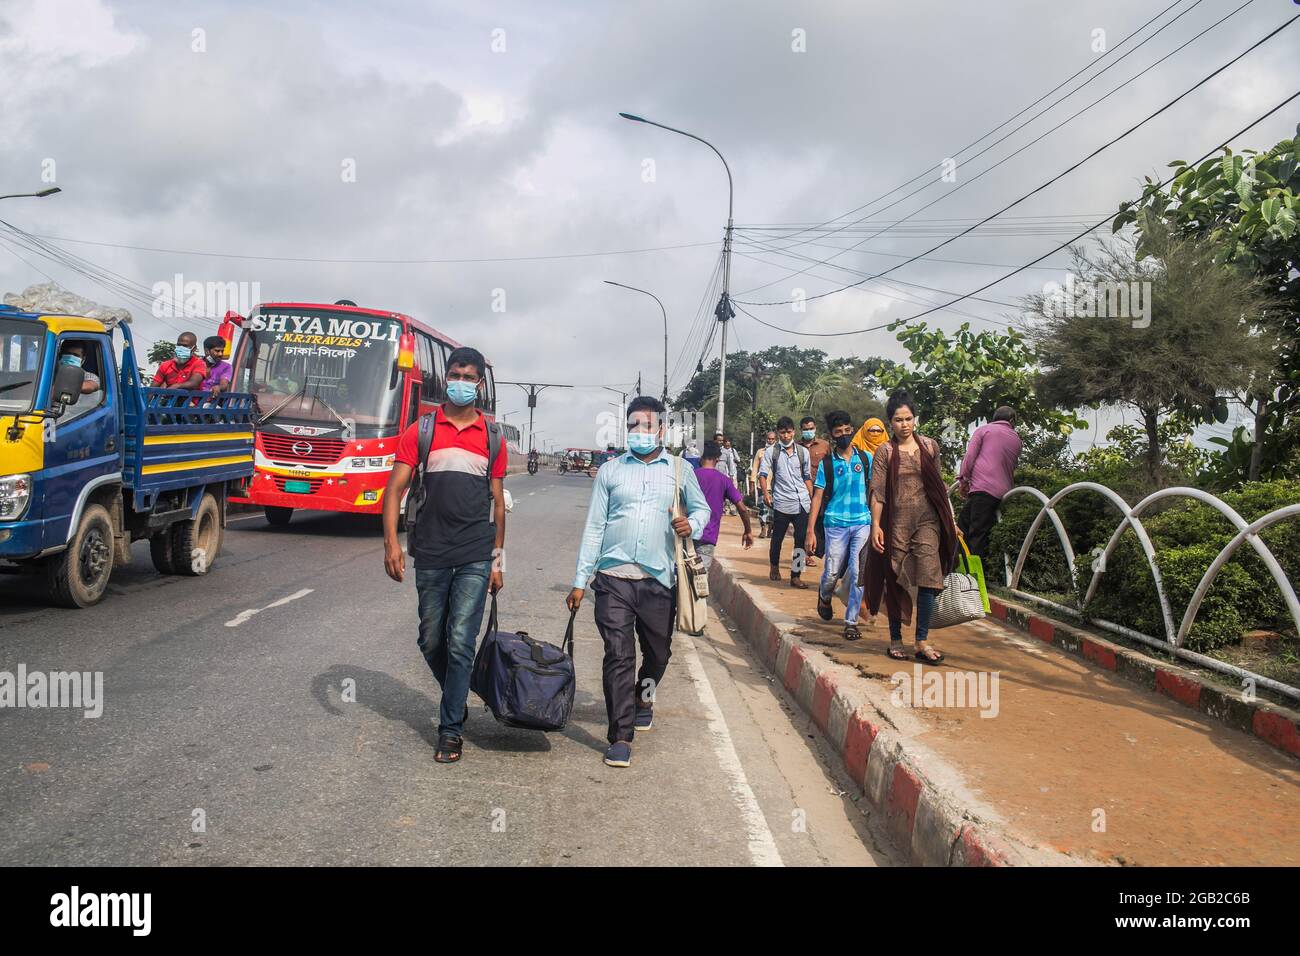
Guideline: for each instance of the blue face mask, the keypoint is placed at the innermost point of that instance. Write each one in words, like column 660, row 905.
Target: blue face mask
column 642, row 443
column 183, row 353
column 462, row 393
column 808, row 434
column 70, row 360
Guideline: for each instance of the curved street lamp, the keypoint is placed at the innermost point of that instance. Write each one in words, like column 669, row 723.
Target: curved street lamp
column 723, row 311
column 665, row 314
column 40, row 195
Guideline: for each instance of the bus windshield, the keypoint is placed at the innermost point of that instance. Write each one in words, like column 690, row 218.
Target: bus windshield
column 321, row 366
column 20, row 363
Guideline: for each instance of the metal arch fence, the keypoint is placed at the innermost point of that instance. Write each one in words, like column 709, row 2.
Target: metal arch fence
column 1175, row 636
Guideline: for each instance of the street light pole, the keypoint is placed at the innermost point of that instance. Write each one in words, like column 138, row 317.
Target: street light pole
column 622, row 413
column 665, row 314
column 40, row 195
column 724, row 312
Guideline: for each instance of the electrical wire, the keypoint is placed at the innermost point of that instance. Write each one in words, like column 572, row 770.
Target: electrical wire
column 966, row 182
column 1074, row 166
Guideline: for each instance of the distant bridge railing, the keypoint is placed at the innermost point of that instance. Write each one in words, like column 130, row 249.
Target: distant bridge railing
column 1130, row 517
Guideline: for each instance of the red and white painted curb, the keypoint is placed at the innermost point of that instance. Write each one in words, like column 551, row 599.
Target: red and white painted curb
column 936, row 825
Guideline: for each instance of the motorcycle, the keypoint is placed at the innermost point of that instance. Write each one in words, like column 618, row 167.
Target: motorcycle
column 532, row 466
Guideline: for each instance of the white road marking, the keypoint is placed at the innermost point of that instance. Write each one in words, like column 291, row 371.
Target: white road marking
column 762, row 845
column 243, row 616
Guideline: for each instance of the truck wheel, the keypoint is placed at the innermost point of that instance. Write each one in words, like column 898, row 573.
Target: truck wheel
column 78, row 575
column 195, row 544
column 160, row 549
column 278, row 516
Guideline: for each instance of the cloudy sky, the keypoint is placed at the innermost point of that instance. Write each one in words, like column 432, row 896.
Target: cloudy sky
column 237, row 137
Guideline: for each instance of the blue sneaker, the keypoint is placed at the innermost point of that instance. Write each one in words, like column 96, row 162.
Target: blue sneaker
column 645, row 718
column 618, row 755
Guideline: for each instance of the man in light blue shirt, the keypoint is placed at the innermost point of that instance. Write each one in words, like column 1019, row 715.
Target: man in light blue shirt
column 628, row 546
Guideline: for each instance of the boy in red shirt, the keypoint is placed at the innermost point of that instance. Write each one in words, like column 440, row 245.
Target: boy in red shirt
column 456, row 544
column 186, row 370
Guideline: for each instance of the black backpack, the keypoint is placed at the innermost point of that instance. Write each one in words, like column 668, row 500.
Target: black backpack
column 415, row 498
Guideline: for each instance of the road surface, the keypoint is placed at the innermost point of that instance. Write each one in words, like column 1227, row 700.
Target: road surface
column 226, row 737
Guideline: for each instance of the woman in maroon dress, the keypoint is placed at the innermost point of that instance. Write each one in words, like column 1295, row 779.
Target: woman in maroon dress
column 913, row 537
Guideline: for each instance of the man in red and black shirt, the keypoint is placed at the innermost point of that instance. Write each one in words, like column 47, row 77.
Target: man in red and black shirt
column 457, row 539
column 186, row 370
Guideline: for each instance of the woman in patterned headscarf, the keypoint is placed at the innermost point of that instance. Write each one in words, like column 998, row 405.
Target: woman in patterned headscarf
column 870, row 436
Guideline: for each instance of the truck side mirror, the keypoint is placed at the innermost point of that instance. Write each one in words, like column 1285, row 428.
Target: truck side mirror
column 67, row 384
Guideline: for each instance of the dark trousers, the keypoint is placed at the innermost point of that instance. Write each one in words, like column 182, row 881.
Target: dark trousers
column 977, row 518
column 780, row 522
column 819, row 529
column 629, row 612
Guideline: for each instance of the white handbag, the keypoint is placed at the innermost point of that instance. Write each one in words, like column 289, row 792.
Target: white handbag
column 692, row 579
column 960, row 601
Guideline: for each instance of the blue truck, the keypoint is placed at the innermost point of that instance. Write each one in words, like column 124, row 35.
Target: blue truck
column 92, row 460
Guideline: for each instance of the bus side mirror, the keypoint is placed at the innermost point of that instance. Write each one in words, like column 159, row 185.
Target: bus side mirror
column 67, row 384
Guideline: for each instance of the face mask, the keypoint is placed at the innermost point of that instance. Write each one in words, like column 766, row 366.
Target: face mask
column 642, row 443
column 183, row 353
column 808, row 435
column 70, row 360
column 462, row 393
column 787, row 444
column 843, row 442
column 210, row 360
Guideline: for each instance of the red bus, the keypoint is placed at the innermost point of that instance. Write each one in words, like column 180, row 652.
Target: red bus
column 334, row 386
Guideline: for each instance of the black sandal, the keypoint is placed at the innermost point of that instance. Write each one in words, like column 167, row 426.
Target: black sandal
column 851, row 632
column 925, row 658
column 896, row 651
column 449, row 748
column 824, row 609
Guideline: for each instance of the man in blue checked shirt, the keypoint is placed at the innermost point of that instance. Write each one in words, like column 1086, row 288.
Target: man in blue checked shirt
column 843, row 480
column 628, row 546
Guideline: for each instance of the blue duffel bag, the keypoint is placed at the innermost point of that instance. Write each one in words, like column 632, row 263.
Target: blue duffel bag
column 524, row 682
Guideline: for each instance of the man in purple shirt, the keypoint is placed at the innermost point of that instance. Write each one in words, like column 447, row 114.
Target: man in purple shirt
column 718, row 488
column 219, row 370
column 987, row 471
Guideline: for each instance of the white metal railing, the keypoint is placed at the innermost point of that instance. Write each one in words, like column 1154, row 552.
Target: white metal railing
column 1175, row 636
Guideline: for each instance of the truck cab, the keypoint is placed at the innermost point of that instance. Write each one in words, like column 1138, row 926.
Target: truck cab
column 92, row 460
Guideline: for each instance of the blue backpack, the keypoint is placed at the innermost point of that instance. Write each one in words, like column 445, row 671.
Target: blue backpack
column 524, row 682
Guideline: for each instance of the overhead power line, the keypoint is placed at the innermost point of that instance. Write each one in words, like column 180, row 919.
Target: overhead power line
column 1032, row 262
column 1061, row 175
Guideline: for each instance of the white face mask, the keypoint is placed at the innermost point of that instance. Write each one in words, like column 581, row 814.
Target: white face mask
column 787, row 444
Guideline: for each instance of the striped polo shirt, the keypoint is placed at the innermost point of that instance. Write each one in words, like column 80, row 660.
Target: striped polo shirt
column 455, row 524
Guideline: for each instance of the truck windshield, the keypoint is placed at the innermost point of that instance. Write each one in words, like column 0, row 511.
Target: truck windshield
column 315, row 365
column 20, row 363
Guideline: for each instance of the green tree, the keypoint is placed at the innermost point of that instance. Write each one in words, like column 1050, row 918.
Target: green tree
column 161, row 351
column 1248, row 204
column 1197, row 343
column 960, row 379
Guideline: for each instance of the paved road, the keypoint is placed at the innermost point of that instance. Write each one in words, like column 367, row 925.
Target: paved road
column 223, row 695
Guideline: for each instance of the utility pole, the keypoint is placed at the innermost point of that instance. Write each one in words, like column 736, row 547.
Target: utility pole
column 622, row 410
column 532, row 389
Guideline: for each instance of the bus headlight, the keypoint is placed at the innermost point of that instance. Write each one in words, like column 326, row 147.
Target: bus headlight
column 15, row 493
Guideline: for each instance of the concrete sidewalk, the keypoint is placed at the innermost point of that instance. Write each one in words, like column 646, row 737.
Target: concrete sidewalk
column 1075, row 766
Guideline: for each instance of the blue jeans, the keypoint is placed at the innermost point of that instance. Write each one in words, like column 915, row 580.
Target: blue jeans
column 451, row 612
column 925, row 601
column 843, row 546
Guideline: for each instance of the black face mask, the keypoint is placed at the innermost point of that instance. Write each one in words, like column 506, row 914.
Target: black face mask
column 843, row 442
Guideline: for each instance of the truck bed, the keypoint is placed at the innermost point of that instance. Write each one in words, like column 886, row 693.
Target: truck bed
column 171, row 442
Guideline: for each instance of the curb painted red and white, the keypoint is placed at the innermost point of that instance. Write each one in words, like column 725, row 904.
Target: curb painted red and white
column 1277, row 726
column 933, row 823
